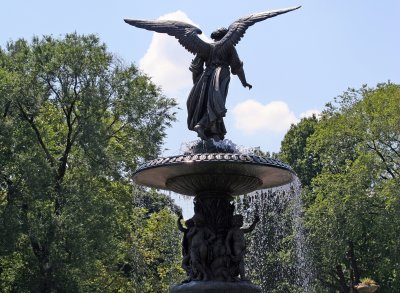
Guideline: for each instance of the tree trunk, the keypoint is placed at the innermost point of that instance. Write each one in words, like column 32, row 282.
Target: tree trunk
column 353, row 263
column 41, row 252
column 343, row 288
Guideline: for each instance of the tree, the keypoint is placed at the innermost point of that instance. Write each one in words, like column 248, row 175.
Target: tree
column 74, row 123
column 294, row 150
column 353, row 221
column 160, row 246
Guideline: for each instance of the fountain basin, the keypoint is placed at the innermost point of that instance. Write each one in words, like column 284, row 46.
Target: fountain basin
column 224, row 173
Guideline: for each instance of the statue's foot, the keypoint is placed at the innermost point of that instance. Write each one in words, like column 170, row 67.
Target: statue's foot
column 217, row 138
column 200, row 132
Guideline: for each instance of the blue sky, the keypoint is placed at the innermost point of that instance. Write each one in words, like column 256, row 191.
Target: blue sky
column 296, row 62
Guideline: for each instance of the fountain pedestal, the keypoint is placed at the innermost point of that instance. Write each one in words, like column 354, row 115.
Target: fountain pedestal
column 213, row 243
column 210, row 267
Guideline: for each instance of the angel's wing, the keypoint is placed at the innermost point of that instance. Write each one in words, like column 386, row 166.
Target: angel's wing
column 237, row 29
column 187, row 34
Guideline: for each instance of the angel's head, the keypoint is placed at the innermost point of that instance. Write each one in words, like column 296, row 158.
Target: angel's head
column 219, row 33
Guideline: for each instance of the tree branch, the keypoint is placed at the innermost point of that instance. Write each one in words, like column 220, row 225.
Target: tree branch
column 6, row 108
column 374, row 148
column 116, row 131
column 68, row 145
column 57, row 94
column 38, row 135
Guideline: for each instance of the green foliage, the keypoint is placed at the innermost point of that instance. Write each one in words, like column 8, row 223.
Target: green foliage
column 158, row 241
column 353, row 201
column 74, row 123
column 368, row 281
column 294, row 150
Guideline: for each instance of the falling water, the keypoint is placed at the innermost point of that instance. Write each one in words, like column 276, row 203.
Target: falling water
column 303, row 263
column 222, row 146
column 277, row 255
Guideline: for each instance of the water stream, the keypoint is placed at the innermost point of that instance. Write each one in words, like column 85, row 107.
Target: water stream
column 277, row 257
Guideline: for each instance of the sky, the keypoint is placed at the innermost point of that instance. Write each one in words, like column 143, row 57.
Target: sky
column 296, row 62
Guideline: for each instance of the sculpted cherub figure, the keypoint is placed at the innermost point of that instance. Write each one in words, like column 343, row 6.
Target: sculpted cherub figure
column 220, row 261
column 236, row 245
column 206, row 101
column 200, row 238
column 186, row 243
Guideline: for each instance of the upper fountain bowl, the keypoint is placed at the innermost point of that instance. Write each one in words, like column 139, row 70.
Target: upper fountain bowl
column 221, row 173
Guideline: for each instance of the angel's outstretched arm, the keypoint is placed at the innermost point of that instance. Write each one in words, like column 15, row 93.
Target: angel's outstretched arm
column 237, row 68
column 242, row 78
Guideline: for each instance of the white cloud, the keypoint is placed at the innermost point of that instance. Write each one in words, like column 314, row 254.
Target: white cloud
column 310, row 112
column 252, row 116
column 167, row 62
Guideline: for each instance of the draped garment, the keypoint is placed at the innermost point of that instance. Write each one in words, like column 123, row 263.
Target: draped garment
column 206, row 101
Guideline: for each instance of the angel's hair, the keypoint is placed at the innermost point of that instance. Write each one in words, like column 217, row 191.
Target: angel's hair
column 219, row 33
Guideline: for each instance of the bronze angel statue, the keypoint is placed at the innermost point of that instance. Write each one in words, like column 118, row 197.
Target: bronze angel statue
column 206, row 101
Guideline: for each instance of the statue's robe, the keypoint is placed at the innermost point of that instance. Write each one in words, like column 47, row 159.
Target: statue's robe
column 206, row 101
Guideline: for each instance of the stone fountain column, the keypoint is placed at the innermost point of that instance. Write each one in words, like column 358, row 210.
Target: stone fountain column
column 213, row 239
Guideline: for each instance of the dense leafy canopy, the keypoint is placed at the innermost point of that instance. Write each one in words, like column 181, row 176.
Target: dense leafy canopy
column 294, row 150
column 74, row 123
column 352, row 196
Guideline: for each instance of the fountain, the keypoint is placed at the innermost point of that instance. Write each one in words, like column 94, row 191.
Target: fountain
column 213, row 170
column 277, row 255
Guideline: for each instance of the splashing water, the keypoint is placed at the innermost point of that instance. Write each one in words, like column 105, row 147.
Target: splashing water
column 277, row 257
column 222, row 146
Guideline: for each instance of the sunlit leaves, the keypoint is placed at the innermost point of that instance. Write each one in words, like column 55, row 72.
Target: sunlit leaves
column 74, row 122
column 356, row 195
